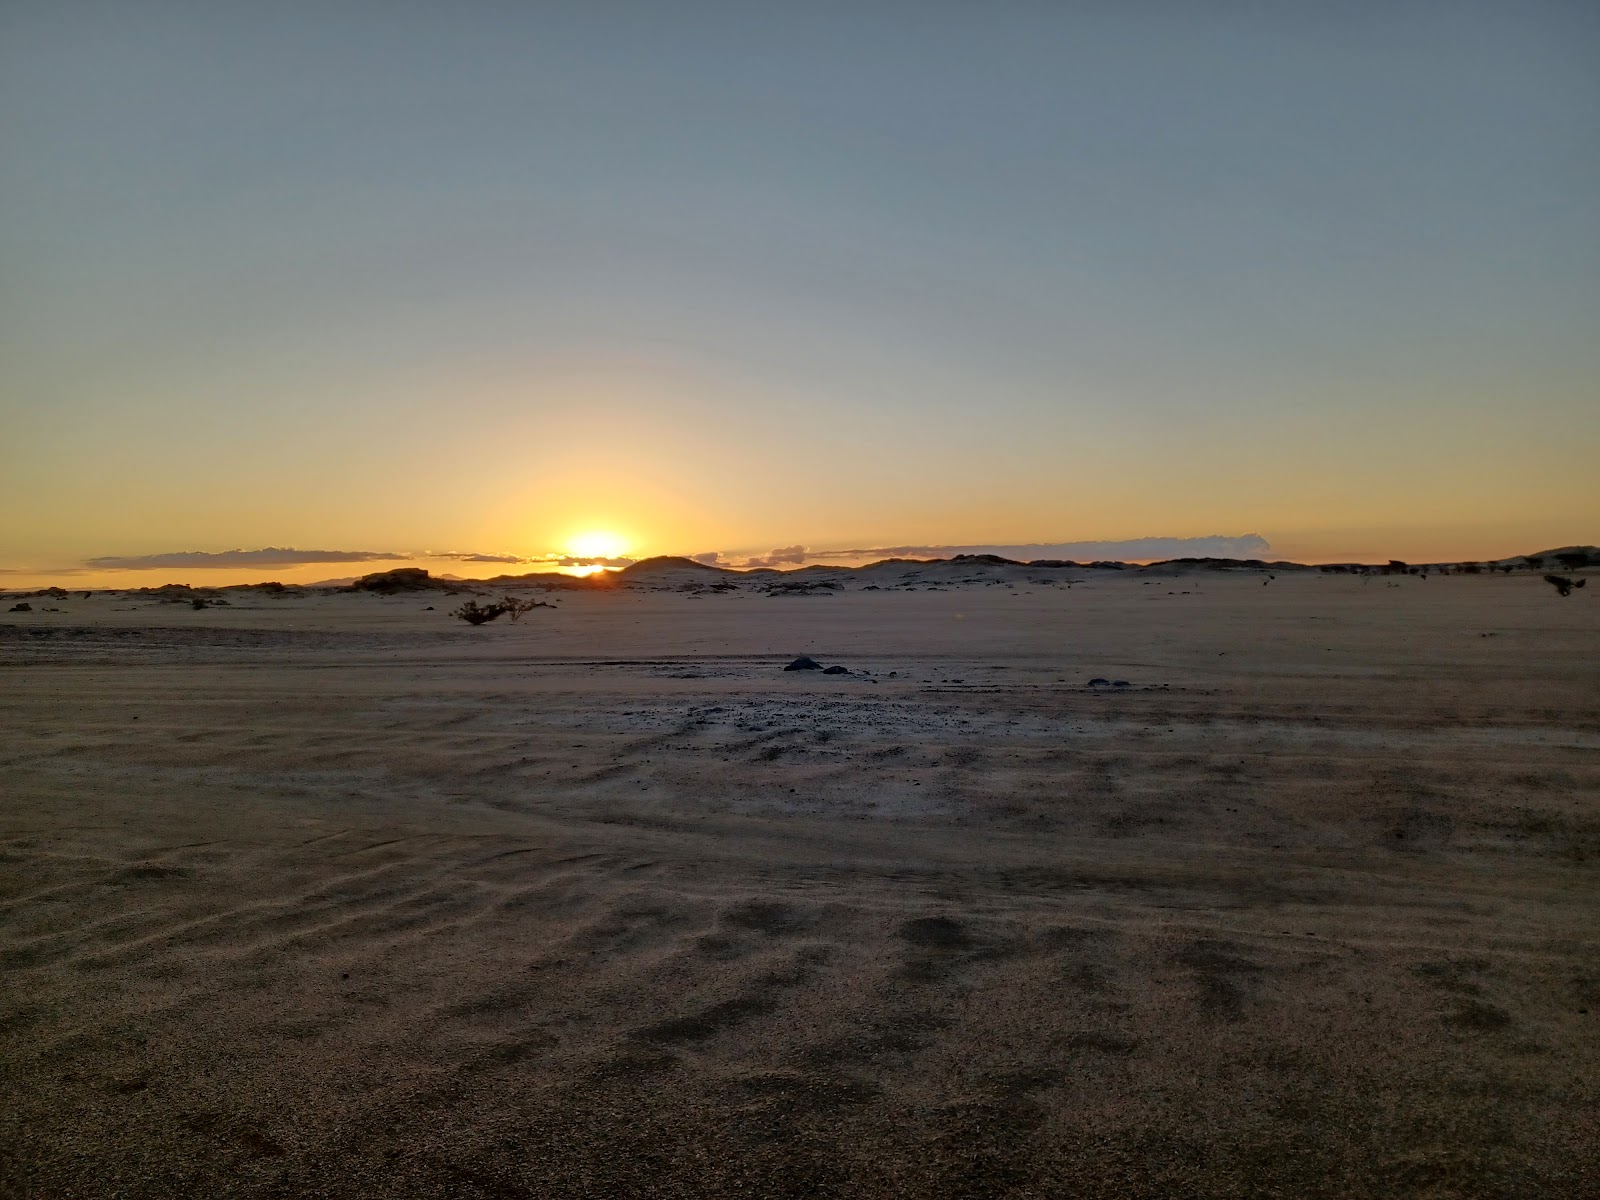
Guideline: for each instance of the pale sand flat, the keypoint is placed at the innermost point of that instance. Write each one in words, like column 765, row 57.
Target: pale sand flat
column 336, row 897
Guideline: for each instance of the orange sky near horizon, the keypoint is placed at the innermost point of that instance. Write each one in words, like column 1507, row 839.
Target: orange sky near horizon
column 1335, row 545
column 684, row 470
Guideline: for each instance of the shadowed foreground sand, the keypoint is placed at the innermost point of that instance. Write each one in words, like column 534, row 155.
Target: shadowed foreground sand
column 337, row 897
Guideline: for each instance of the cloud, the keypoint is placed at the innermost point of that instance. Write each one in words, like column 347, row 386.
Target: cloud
column 542, row 560
column 464, row 556
column 783, row 554
column 569, row 561
column 271, row 556
column 1249, row 545
column 274, row 556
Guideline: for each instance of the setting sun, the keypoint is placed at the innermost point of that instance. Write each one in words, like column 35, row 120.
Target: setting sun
column 596, row 544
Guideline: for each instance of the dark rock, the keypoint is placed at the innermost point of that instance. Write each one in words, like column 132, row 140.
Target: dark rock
column 1098, row 682
column 1121, row 683
column 804, row 663
column 836, row 670
column 24, row 607
column 988, row 558
column 401, row 579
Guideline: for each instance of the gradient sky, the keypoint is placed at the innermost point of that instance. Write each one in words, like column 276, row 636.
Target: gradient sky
column 486, row 276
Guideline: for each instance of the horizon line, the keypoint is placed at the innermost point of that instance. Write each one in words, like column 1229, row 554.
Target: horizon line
column 1536, row 560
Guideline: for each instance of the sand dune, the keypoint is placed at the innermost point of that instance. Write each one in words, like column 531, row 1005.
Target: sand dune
column 334, row 896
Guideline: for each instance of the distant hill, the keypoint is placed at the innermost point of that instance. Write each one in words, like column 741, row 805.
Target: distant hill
column 649, row 568
column 1554, row 557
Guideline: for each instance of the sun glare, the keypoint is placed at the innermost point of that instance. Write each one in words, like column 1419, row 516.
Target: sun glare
column 596, row 544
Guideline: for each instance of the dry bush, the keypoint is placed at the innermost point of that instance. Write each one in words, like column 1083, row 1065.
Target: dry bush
column 475, row 614
column 515, row 607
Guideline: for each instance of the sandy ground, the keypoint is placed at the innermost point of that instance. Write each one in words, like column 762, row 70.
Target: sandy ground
column 339, row 897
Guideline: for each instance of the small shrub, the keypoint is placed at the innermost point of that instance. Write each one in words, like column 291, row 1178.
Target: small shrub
column 475, row 614
column 514, row 607
column 1564, row 585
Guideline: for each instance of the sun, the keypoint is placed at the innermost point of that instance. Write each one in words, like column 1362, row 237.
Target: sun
column 597, row 543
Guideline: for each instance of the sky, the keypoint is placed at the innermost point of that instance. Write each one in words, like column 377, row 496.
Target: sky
column 538, row 282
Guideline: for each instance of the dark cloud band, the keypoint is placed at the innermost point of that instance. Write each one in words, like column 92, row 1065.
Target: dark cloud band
column 271, row 556
column 1249, row 545
column 275, row 556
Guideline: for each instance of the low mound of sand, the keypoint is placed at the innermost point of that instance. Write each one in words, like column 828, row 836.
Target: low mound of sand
column 403, row 579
